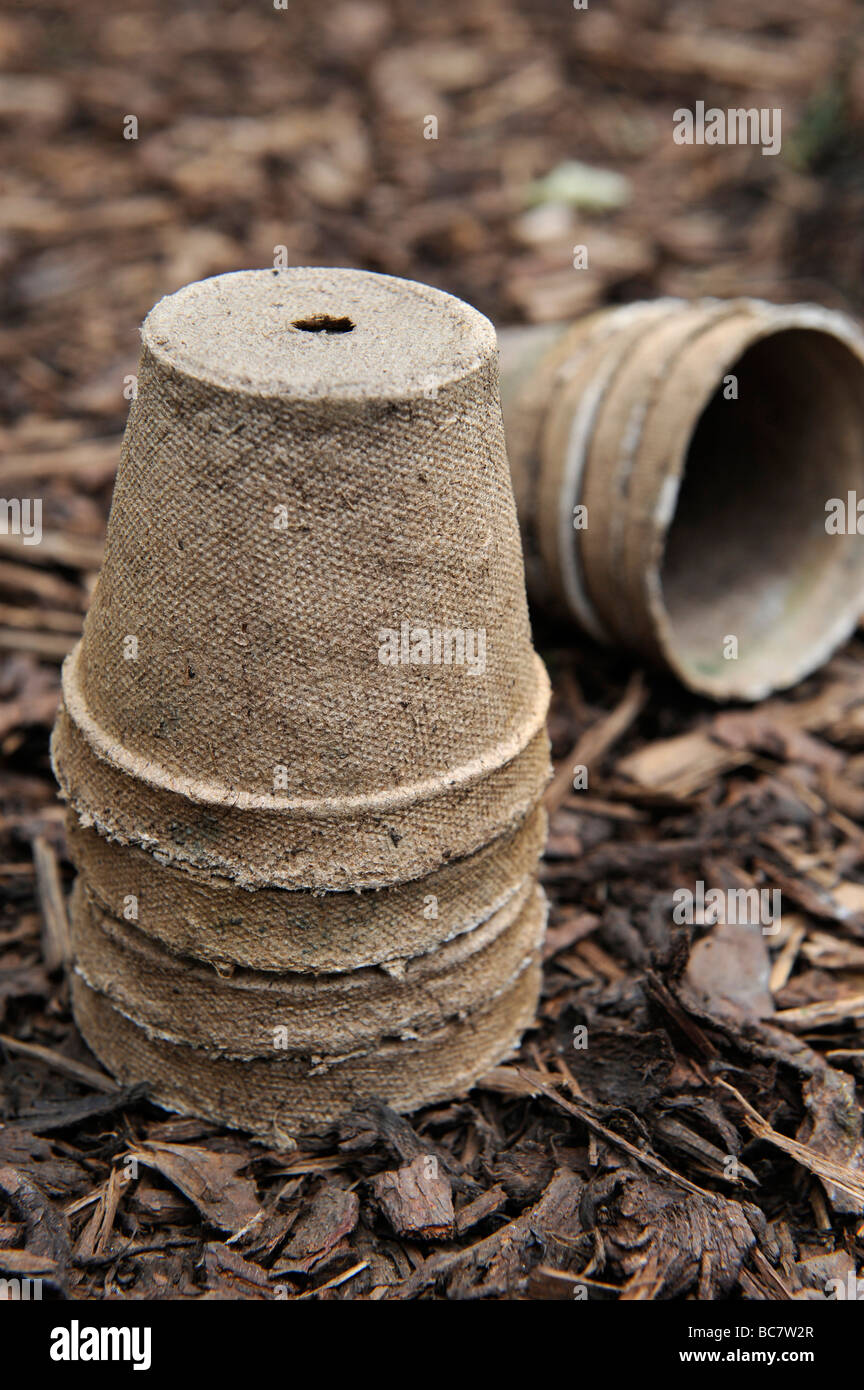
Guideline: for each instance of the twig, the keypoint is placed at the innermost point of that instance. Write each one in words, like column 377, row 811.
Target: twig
column 52, row 645
column 648, row 1160
column 332, row 1283
column 156, row 1247
column 76, row 1070
column 55, row 548
column 596, row 741
column 837, row 1174
column 45, row 585
column 56, row 946
column 46, row 619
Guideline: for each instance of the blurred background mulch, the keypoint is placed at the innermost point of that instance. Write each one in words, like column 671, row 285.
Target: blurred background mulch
column 686, row 1117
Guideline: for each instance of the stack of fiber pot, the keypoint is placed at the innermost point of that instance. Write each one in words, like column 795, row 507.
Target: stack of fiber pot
column 302, row 738
column 677, row 467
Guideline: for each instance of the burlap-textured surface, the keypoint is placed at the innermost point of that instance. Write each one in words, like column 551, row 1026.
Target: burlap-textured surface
column 273, row 847
column 791, row 627
column 181, row 1001
column 285, row 497
column 531, row 360
column 550, row 395
column 305, row 706
column 284, row 1095
column 606, row 419
column 650, row 366
column 275, row 930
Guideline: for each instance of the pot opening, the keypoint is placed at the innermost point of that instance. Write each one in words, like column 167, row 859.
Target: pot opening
column 748, row 564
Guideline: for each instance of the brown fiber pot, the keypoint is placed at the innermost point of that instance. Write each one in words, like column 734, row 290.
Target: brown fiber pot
column 285, row 1095
column 272, row 929
column 245, row 1014
column 302, row 739
column 704, row 440
column 313, row 484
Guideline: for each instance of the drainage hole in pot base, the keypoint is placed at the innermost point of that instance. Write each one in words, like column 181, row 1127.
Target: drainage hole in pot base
column 323, row 323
